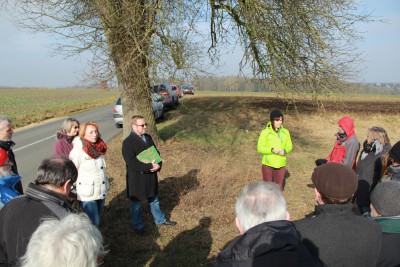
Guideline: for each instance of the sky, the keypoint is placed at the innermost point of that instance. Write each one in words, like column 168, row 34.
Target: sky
column 26, row 60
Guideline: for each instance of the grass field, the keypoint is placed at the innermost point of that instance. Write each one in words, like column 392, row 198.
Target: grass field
column 28, row 105
column 209, row 154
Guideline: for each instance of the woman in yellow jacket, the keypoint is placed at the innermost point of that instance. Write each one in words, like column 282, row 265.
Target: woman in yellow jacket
column 274, row 144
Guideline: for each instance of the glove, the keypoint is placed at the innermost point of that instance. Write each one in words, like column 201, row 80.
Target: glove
column 319, row 162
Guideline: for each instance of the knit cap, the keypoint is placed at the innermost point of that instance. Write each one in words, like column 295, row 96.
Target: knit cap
column 386, row 198
column 275, row 114
column 395, row 152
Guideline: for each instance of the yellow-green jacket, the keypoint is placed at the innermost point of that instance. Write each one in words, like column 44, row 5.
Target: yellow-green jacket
column 270, row 139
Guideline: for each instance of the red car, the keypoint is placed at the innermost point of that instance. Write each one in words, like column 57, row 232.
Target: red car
column 177, row 89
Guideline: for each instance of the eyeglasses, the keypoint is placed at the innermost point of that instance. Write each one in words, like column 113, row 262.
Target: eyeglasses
column 141, row 125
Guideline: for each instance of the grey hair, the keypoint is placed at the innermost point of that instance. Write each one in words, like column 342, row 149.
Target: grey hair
column 2, row 119
column 71, row 241
column 260, row 202
column 67, row 124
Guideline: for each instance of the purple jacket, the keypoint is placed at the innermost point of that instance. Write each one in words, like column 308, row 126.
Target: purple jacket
column 63, row 145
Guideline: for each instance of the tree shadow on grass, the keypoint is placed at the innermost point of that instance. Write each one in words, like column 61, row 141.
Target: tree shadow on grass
column 189, row 248
column 127, row 248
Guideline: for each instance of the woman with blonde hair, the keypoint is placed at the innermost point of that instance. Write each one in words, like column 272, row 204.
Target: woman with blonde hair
column 369, row 166
column 69, row 130
column 88, row 155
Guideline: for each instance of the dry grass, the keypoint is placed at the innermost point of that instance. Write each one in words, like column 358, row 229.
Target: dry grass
column 209, row 154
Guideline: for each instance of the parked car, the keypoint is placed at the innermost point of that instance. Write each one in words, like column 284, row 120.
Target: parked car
column 178, row 89
column 158, row 109
column 170, row 98
column 188, row 89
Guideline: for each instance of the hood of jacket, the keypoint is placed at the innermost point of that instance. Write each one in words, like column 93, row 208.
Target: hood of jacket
column 347, row 125
column 61, row 135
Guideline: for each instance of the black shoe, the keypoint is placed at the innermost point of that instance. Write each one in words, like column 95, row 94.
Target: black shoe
column 140, row 232
column 168, row 223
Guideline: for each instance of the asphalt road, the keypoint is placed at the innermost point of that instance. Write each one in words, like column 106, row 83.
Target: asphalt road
column 33, row 144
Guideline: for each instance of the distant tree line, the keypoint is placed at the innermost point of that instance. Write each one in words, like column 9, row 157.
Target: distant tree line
column 242, row 84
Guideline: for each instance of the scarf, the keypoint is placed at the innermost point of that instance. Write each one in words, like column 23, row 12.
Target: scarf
column 6, row 145
column 340, row 137
column 94, row 150
column 375, row 147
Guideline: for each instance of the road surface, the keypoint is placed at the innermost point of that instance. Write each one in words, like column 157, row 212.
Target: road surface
column 33, row 144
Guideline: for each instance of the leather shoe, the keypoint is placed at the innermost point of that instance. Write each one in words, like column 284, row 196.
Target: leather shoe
column 168, row 223
column 140, row 232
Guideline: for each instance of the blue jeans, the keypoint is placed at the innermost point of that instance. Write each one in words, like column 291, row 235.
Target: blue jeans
column 93, row 210
column 136, row 212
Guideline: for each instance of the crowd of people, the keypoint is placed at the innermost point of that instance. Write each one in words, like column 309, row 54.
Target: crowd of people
column 56, row 221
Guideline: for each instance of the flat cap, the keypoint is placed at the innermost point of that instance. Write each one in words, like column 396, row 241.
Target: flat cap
column 335, row 180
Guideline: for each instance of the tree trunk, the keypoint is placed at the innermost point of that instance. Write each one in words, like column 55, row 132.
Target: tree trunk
column 129, row 38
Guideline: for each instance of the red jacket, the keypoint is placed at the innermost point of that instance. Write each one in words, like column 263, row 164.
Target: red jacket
column 339, row 150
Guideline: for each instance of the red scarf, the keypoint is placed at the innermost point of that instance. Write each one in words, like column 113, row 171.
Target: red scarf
column 94, row 150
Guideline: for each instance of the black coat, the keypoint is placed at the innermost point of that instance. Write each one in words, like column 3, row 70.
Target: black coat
column 271, row 244
column 21, row 216
column 368, row 171
column 390, row 255
column 140, row 182
column 340, row 238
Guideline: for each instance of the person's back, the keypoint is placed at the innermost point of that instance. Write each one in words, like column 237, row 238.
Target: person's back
column 21, row 216
column 267, row 237
column 335, row 234
column 276, row 243
column 340, row 238
column 385, row 209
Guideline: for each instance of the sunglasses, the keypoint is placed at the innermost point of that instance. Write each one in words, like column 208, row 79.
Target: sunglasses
column 141, row 125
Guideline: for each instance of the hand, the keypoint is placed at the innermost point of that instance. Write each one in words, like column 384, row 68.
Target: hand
column 155, row 167
column 282, row 152
column 275, row 151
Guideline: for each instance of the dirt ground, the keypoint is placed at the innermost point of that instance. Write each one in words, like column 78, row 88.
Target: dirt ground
column 209, row 154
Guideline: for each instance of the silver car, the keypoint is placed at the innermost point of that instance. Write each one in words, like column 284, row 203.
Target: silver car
column 158, row 109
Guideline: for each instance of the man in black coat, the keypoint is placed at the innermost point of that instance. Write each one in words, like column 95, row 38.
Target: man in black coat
column 6, row 143
column 45, row 198
column 141, row 178
column 335, row 234
column 385, row 210
column 267, row 237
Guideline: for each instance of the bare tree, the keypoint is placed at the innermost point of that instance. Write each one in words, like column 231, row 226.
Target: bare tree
column 297, row 45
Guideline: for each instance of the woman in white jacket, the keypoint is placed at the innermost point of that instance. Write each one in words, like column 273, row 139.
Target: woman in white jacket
column 88, row 154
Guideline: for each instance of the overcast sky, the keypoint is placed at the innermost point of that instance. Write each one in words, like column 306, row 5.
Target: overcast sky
column 26, row 61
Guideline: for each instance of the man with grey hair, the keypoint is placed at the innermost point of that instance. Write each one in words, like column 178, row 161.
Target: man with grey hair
column 46, row 197
column 267, row 237
column 6, row 143
column 80, row 240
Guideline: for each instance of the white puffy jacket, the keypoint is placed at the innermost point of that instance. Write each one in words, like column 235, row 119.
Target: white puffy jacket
column 92, row 182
